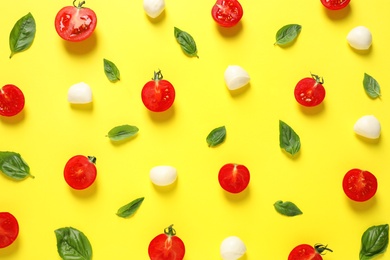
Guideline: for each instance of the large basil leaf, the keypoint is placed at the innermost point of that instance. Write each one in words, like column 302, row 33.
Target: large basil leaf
column 13, row 165
column 374, row 241
column 371, row 86
column 22, row 34
column 111, row 70
column 287, row 208
column 288, row 139
column 130, row 208
column 287, row 34
column 122, row 132
column 187, row 43
column 216, row 136
column 72, row 244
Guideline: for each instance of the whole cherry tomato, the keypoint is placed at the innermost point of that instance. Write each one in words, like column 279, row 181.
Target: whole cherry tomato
column 75, row 23
column 308, row 252
column 359, row 185
column 11, row 100
column 310, row 92
column 234, row 178
column 335, row 4
column 227, row 13
column 166, row 246
column 9, row 229
column 80, row 171
column 158, row 94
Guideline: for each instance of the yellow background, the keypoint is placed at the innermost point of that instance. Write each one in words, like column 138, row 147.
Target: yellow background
column 50, row 130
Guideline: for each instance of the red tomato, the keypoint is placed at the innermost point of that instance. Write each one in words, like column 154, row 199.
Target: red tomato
column 234, row 178
column 80, row 171
column 227, row 13
column 75, row 23
column 307, row 252
column 359, row 185
column 158, row 94
column 11, row 100
column 166, row 246
column 9, row 229
column 309, row 92
column 335, row 4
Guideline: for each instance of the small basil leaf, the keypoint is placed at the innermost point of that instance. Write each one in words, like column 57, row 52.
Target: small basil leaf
column 13, row 165
column 371, row 86
column 72, row 244
column 374, row 241
column 287, row 208
column 187, row 43
column 130, row 209
column 111, row 71
column 22, row 34
column 287, row 34
column 122, row 132
column 216, row 136
column 288, row 139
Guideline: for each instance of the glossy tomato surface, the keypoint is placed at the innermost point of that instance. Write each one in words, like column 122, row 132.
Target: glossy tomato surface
column 9, row 229
column 335, row 4
column 75, row 23
column 359, row 185
column 308, row 252
column 166, row 246
column 11, row 100
column 310, row 92
column 227, row 13
column 158, row 94
column 234, row 178
column 80, row 171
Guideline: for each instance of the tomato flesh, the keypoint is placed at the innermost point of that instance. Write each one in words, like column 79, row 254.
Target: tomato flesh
column 359, row 185
column 304, row 252
column 158, row 94
column 335, row 4
column 166, row 246
column 9, row 229
column 234, row 178
column 80, row 171
column 227, row 13
column 11, row 100
column 309, row 92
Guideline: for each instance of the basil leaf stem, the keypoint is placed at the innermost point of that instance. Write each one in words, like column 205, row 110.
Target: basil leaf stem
column 122, row 132
column 371, row 86
column 287, row 34
column 216, row 136
column 22, row 34
column 187, row 42
column 374, row 241
column 288, row 139
column 130, row 208
column 287, row 208
column 111, row 71
column 13, row 165
column 72, row 244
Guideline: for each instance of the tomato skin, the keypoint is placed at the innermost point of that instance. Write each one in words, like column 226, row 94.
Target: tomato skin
column 11, row 100
column 335, row 4
column 234, row 178
column 80, row 171
column 75, row 23
column 307, row 252
column 310, row 92
column 9, row 229
column 166, row 246
column 359, row 185
column 227, row 13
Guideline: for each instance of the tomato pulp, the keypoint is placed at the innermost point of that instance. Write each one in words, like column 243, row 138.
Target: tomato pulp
column 80, row 171
column 307, row 252
column 359, row 185
column 335, row 4
column 234, row 178
column 310, row 92
column 9, row 229
column 166, row 246
column 227, row 13
column 75, row 23
column 11, row 100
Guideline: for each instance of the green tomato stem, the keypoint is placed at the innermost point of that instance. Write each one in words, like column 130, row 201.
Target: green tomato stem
column 321, row 248
column 170, row 231
column 92, row 159
column 157, row 76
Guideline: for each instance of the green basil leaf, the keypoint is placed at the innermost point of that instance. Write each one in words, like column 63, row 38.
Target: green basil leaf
column 72, row 244
column 287, row 208
column 111, row 71
column 288, row 139
column 216, row 136
column 371, row 86
column 287, row 34
column 22, row 34
column 13, row 165
column 122, row 132
column 130, row 209
column 374, row 241
column 187, row 43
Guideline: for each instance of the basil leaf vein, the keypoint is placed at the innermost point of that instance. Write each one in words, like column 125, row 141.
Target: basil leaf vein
column 216, row 136
column 371, row 86
column 111, row 70
column 288, row 139
column 374, row 241
column 130, row 208
column 22, row 34
column 187, row 42
column 72, row 244
column 287, row 34
column 287, row 208
column 13, row 165
column 122, row 132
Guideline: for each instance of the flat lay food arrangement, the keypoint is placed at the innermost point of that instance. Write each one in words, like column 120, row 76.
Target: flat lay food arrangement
column 169, row 130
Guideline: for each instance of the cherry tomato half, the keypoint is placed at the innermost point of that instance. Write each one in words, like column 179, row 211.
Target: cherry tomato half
column 335, row 4
column 9, row 229
column 11, row 100
column 359, row 185
column 80, row 171
column 166, row 246
column 310, row 92
column 308, row 252
column 75, row 23
column 227, row 13
column 234, row 178
column 158, row 94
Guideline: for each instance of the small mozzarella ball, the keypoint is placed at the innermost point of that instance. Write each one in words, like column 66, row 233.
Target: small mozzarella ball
column 232, row 248
column 368, row 126
column 154, row 8
column 163, row 175
column 360, row 38
column 236, row 77
column 80, row 93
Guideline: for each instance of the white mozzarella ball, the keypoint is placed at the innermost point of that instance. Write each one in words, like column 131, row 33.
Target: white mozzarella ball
column 154, row 8
column 80, row 93
column 163, row 175
column 360, row 38
column 232, row 248
column 368, row 126
column 236, row 77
